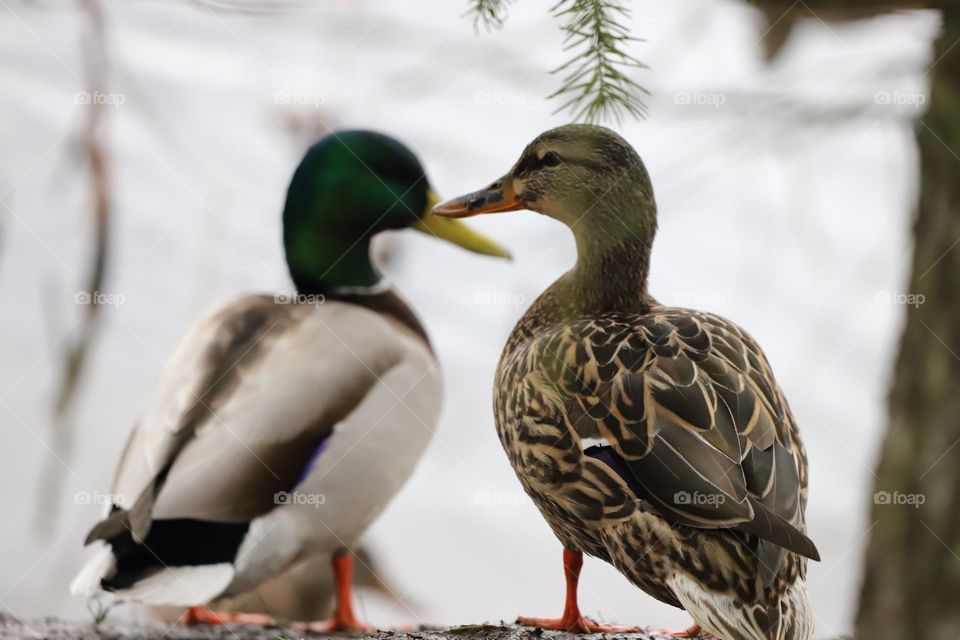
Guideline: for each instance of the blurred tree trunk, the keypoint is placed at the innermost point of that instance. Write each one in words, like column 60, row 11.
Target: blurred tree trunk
column 911, row 586
column 911, row 583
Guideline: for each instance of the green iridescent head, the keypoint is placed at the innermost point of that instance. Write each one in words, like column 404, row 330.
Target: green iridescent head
column 350, row 186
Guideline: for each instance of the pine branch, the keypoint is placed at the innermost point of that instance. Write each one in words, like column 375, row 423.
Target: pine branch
column 596, row 85
column 488, row 13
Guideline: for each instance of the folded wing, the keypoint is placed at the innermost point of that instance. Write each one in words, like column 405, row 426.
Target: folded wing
column 242, row 408
column 692, row 420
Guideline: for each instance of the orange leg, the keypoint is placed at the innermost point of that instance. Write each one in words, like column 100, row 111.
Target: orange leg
column 203, row 615
column 343, row 617
column 571, row 620
column 694, row 631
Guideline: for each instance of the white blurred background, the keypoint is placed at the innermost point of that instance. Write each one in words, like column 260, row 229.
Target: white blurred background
column 785, row 194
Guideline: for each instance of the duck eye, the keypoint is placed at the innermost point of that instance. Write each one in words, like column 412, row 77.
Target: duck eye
column 550, row 159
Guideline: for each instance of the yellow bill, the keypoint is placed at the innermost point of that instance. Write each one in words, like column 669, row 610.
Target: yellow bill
column 457, row 232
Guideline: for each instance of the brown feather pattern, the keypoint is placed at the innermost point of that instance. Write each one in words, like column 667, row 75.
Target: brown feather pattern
column 708, row 475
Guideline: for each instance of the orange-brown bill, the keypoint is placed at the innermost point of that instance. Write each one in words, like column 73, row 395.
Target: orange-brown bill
column 499, row 196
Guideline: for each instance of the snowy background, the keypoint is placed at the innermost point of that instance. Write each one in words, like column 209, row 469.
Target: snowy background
column 785, row 193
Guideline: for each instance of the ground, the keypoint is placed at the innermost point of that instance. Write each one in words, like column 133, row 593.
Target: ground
column 56, row 629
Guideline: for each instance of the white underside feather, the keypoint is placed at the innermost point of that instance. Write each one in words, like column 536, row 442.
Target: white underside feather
column 719, row 614
column 330, row 351
column 100, row 566
column 181, row 586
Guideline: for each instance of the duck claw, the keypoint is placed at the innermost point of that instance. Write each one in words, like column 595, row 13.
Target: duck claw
column 694, row 631
column 205, row 615
column 575, row 625
column 332, row 625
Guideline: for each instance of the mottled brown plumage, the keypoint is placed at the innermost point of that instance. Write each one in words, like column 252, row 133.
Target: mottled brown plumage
column 653, row 437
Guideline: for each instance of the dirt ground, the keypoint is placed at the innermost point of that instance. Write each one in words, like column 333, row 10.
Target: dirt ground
column 55, row 629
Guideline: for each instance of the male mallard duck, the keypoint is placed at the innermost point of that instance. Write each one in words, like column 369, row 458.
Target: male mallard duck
column 653, row 437
column 305, row 591
column 281, row 426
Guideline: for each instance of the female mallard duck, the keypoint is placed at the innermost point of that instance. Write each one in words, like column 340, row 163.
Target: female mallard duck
column 653, row 437
column 281, row 426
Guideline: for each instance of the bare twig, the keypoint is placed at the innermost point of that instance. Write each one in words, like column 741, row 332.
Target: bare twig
column 95, row 70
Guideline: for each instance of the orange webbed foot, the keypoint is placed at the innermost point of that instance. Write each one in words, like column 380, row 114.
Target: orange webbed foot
column 579, row 624
column 694, row 631
column 204, row 615
column 333, row 625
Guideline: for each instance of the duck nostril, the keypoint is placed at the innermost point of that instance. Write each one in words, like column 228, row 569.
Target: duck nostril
column 496, row 185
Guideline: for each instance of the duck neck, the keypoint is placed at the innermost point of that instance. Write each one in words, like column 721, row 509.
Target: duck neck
column 607, row 278
column 611, row 274
column 331, row 265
